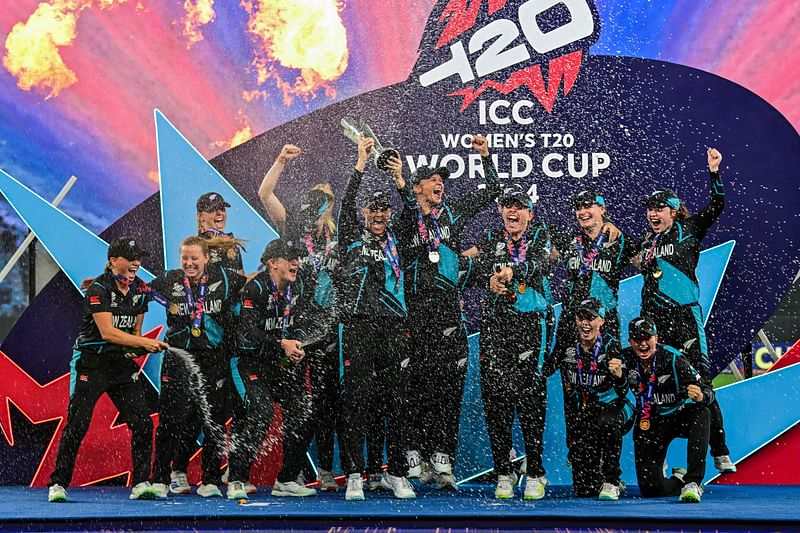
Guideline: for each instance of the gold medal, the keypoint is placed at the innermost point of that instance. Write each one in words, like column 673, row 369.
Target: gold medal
column 173, row 309
column 231, row 253
column 521, row 287
column 657, row 273
column 644, row 425
column 196, row 332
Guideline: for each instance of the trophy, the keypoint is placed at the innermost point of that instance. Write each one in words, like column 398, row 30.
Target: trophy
column 352, row 129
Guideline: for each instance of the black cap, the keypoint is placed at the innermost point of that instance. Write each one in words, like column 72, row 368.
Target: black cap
column 279, row 249
column 587, row 198
column 377, row 199
column 425, row 172
column 211, row 201
column 662, row 198
column 515, row 193
column 592, row 306
column 641, row 328
column 127, row 248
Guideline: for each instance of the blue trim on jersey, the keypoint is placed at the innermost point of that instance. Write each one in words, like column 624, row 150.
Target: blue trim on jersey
column 237, row 378
column 676, row 285
column 354, row 245
column 73, row 373
column 364, row 270
column 542, row 343
column 701, row 332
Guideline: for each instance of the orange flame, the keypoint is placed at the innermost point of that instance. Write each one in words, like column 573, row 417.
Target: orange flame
column 198, row 14
column 307, row 35
column 32, row 47
column 244, row 134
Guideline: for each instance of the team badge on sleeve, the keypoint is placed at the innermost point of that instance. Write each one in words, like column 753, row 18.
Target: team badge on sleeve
column 247, row 304
column 94, row 300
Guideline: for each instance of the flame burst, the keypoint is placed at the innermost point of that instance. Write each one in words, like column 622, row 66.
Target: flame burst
column 244, row 134
column 198, row 14
column 308, row 35
column 32, row 47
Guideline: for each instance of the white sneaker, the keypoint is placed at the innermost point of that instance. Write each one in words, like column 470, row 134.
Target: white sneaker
column 679, row 473
column 375, row 482
column 209, row 491
column 162, row 489
column 426, row 475
column 399, row 485
column 414, row 463
column 327, row 483
column 355, row 488
column 236, row 491
column 724, row 464
column 504, row 489
column 441, row 463
column 292, row 488
column 691, row 493
column 446, row 482
column 609, row 492
column 56, row 493
column 178, row 483
column 143, row 491
column 534, row 487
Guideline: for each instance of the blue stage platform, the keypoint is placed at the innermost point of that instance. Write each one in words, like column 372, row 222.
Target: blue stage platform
column 766, row 508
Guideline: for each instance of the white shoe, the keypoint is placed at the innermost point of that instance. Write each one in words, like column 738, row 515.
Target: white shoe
column 327, row 483
column 446, row 482
column 609, row 492
column 292, row 488
column 162, row 489
column 441, row 463
column 209, row 491
column 724, row 464
column 355, row 488
column 426, row 475
column 414, row 463
column 691, row 493
column 534, row 487
column 56, row 493
column 236, row 491
column 178, row 483
column 504, row 489
column 143, row 491
column 399, row 485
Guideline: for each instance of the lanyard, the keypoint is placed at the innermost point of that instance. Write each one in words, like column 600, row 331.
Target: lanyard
column 518, row 253
column 586, row 388
column 317, row 265
column 390, row 250
column 276, row 298
column 586, row 263
column 432, row 237
column 198, row 307
column 645, row 396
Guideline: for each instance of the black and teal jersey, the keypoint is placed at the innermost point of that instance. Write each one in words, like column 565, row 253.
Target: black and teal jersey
column 592, row 386
column 435, row 286
column 592, row 275
column 222, row 288
column 669, row 259
column 319, row 261
column 269, row 316
column 373, row 280
column 673, row 374
column 103, row 296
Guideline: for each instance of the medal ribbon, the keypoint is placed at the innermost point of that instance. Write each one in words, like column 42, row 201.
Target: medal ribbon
column 198, row 308
column 518, row 253
column 122, row 279
column 650, row 256
column 587, row 388
column 587, row 263
column 144, row 288
column 214, row 232
column 390, row 250
column 276, row 298
column 645, row 396
column 317, row 265
column 434, row 237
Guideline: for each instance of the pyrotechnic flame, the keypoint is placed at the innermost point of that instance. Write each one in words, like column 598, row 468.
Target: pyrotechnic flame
column 307, row 35
column 244, row 134
column 32, row 47
column 198, row 14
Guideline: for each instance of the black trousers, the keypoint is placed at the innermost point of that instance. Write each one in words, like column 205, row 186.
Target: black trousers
column 595, row 446
column 120, row 380
column 374, row 384
column 650, row 450
column 437, row 371
column 326, row 383
column 191, row 390
column 683, row 329
column 511, row 350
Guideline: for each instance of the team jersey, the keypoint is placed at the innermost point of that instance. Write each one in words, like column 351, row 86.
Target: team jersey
column 587, row 381
column 668, row 259
column 372, row 266
column 594, row 266
column 269, row 316
column 434, row 286
column 320, row 268
column 103, row 296
column 226, row 257
column 528, row 257
column 666, row 392
column 221, row 293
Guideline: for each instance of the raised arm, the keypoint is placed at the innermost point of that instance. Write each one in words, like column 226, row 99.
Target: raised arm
column 711, row 212
column 266, row 191
column 349, row 228
column 478, row 200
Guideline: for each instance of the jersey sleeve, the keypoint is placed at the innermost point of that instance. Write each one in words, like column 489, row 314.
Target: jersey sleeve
column 702, row 221
column 97, row 299
column 473, row 203
column 349, row 228
column 251, row 331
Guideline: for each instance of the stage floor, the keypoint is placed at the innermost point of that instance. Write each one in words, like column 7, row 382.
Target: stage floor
column 473, row 507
